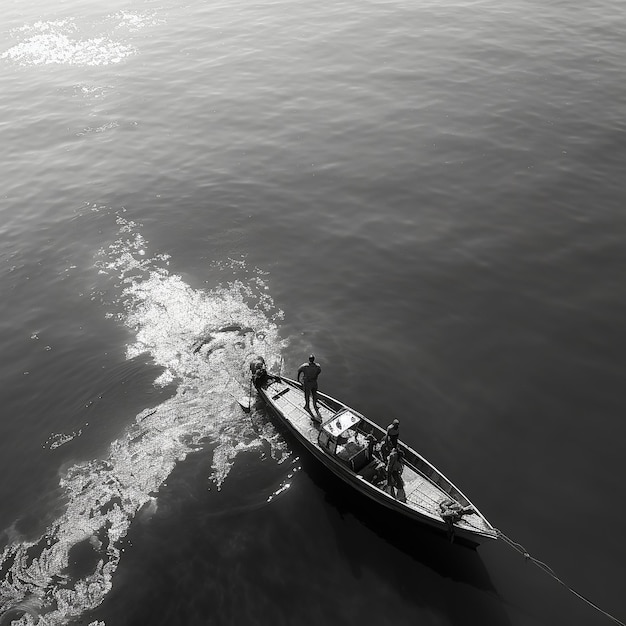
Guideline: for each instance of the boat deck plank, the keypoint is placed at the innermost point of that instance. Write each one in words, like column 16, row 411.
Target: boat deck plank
column 421, row 492
column 300, row 418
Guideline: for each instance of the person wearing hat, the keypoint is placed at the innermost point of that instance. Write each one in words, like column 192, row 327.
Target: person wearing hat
column 393, row 432
column 309, row 373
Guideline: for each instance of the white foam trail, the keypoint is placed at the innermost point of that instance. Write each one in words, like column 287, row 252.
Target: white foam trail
column 203, row 341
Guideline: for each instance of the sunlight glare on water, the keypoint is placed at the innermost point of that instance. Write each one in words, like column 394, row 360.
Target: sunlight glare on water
column 65, row 41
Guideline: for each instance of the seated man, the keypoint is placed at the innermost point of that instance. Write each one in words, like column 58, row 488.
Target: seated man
column 260, row 377
column 376, row 472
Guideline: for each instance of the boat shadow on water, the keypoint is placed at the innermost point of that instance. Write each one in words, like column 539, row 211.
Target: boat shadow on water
column 417, row 551
column 236, row 553
column 448, row 558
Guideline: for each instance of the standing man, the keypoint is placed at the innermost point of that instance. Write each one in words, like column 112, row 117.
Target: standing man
column 394, row 478
column 393, row 432
column 309, row 372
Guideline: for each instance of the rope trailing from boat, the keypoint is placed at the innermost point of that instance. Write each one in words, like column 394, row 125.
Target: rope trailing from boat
column 548, row 570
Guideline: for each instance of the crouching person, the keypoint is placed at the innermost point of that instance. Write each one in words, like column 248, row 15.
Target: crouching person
column 258, row 369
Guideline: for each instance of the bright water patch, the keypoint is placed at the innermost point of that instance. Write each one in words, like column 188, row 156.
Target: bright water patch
column 203, row 342
column 56, row 440
column 73, row 41
column 98, row 129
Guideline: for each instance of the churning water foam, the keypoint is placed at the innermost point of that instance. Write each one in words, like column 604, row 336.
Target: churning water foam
column 203, row 341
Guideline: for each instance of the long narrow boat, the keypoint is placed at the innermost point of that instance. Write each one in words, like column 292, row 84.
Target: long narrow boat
column 351, row 446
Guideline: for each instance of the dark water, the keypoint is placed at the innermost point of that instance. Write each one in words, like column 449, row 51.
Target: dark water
column 430, row 197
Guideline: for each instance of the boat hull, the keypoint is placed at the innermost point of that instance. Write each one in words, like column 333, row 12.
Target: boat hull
column 290, row 414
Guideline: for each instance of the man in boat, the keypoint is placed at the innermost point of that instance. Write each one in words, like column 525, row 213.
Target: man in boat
column 260, row 377
column 391, row 437
column 452, row 512
column 309, row 373
column 394, row 474
column 380, row 472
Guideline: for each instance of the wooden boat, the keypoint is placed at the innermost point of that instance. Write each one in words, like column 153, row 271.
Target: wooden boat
column 338, row 437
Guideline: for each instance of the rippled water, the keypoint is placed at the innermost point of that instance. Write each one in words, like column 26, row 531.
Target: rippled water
column 429, row 197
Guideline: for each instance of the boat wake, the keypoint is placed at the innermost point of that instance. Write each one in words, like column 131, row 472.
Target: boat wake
column 202, row 341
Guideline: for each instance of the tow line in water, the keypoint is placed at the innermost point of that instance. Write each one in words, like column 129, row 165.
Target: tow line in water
column 548, row 570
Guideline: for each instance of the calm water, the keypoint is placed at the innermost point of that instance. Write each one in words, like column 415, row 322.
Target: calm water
column 428, row 196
